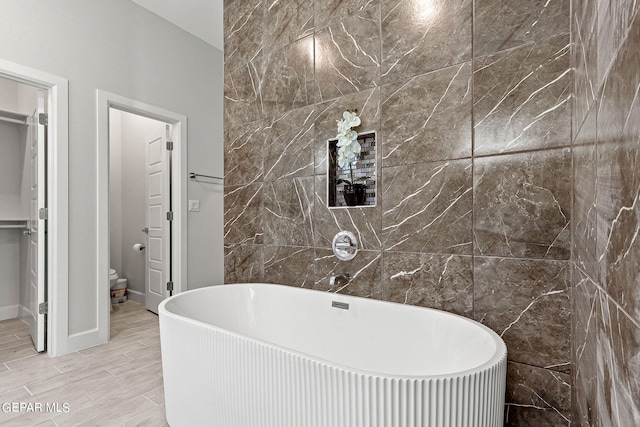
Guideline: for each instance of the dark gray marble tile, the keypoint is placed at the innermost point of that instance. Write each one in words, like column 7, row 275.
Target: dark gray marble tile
column 521, row 98
column 367, row 104
column 243, row 153
column 243, row 264
column 428, row 117
column 618, row 366
column 584, row 58
column 422, row 36
column 347, row 55
column 615, row 17
column 522, row 205
column 584, row 199
column 537, row 397
column 585, row 318
column 287, row 213
column 282, row 265
column 286, row 22
column 501, row 25
column 288, row 79
column 528, row 303
column 289, row 143
column 617, row 195
column 427, row 207
column 364, row 222
column 242, row 96
column 331, row 11
column 243, row 32
column 443, row 282
column 618, row 100
column 243, row 223
column 618, row 181
column 365, row 272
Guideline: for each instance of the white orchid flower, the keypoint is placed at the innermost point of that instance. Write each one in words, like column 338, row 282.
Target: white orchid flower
column 348, row 146
column 351, row 119
column 343, row 128
column 355, row 147
column 343, row 140
column 344, row 162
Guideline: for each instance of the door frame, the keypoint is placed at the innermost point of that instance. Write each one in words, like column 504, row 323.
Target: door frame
column 105, row 101
column 57, row 90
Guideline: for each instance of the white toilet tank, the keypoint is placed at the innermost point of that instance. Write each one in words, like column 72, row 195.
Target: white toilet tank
column 113, row 277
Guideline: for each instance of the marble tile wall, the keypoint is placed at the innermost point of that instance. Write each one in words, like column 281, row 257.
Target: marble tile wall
column 472, row 104
column 606, row 156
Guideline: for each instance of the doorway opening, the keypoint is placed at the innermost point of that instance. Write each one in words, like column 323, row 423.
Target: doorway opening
column 34, row 203
column 139, row 198
column 141, row 188
column 23, row 203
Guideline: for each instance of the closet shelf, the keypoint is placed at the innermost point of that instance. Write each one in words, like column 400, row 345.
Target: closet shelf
column 14, row 222
column 13, row 117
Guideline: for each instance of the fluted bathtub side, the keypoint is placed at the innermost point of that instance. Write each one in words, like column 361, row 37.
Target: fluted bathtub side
column 214, row 377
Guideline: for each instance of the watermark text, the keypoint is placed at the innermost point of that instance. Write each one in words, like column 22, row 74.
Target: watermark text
column 39, row 407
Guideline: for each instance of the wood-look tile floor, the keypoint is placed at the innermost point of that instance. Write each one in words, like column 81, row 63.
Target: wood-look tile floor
column 115, row 384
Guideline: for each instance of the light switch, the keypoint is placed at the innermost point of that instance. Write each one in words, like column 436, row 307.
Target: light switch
column 194, row 205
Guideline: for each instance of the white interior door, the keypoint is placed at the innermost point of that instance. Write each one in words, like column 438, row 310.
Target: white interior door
column 38, row 238
column 157, row 205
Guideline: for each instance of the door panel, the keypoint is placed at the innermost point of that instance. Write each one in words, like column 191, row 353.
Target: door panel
column 155, row 249
column 155, row 184
column 156, row 217
column 38, row 239
column 155, row 281
column 157, row 205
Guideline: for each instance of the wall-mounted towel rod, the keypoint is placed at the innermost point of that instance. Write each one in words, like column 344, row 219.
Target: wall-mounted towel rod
column 195, row 175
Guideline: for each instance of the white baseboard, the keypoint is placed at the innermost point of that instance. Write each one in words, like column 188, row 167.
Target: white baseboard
column 9, row 312
column 136, row 296
column 84, row 340
column 25, row 314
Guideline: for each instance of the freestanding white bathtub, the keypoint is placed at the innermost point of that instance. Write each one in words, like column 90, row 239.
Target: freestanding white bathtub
column 259, row 355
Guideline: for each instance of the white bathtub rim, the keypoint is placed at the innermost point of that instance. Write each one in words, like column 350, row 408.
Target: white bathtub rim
column 498, row 358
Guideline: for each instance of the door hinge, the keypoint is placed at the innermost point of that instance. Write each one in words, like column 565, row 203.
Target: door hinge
column 43, row 308
column 170, row 286
column 169, row 216
column 43, row 119
column 169, row 145
column 43, row 213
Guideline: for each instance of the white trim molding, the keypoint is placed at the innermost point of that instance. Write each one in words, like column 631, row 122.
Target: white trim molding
column 178, row 122
column 9, row 311
column 58, row 198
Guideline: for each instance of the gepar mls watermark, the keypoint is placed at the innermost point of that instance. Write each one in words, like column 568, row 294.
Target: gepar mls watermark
column 38, row 407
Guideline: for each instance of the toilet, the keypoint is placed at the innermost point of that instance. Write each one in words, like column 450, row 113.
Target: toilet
column 118, row 287
column 113, row 277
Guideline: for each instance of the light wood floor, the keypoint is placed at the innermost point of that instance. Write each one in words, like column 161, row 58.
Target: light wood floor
column 115, row 384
